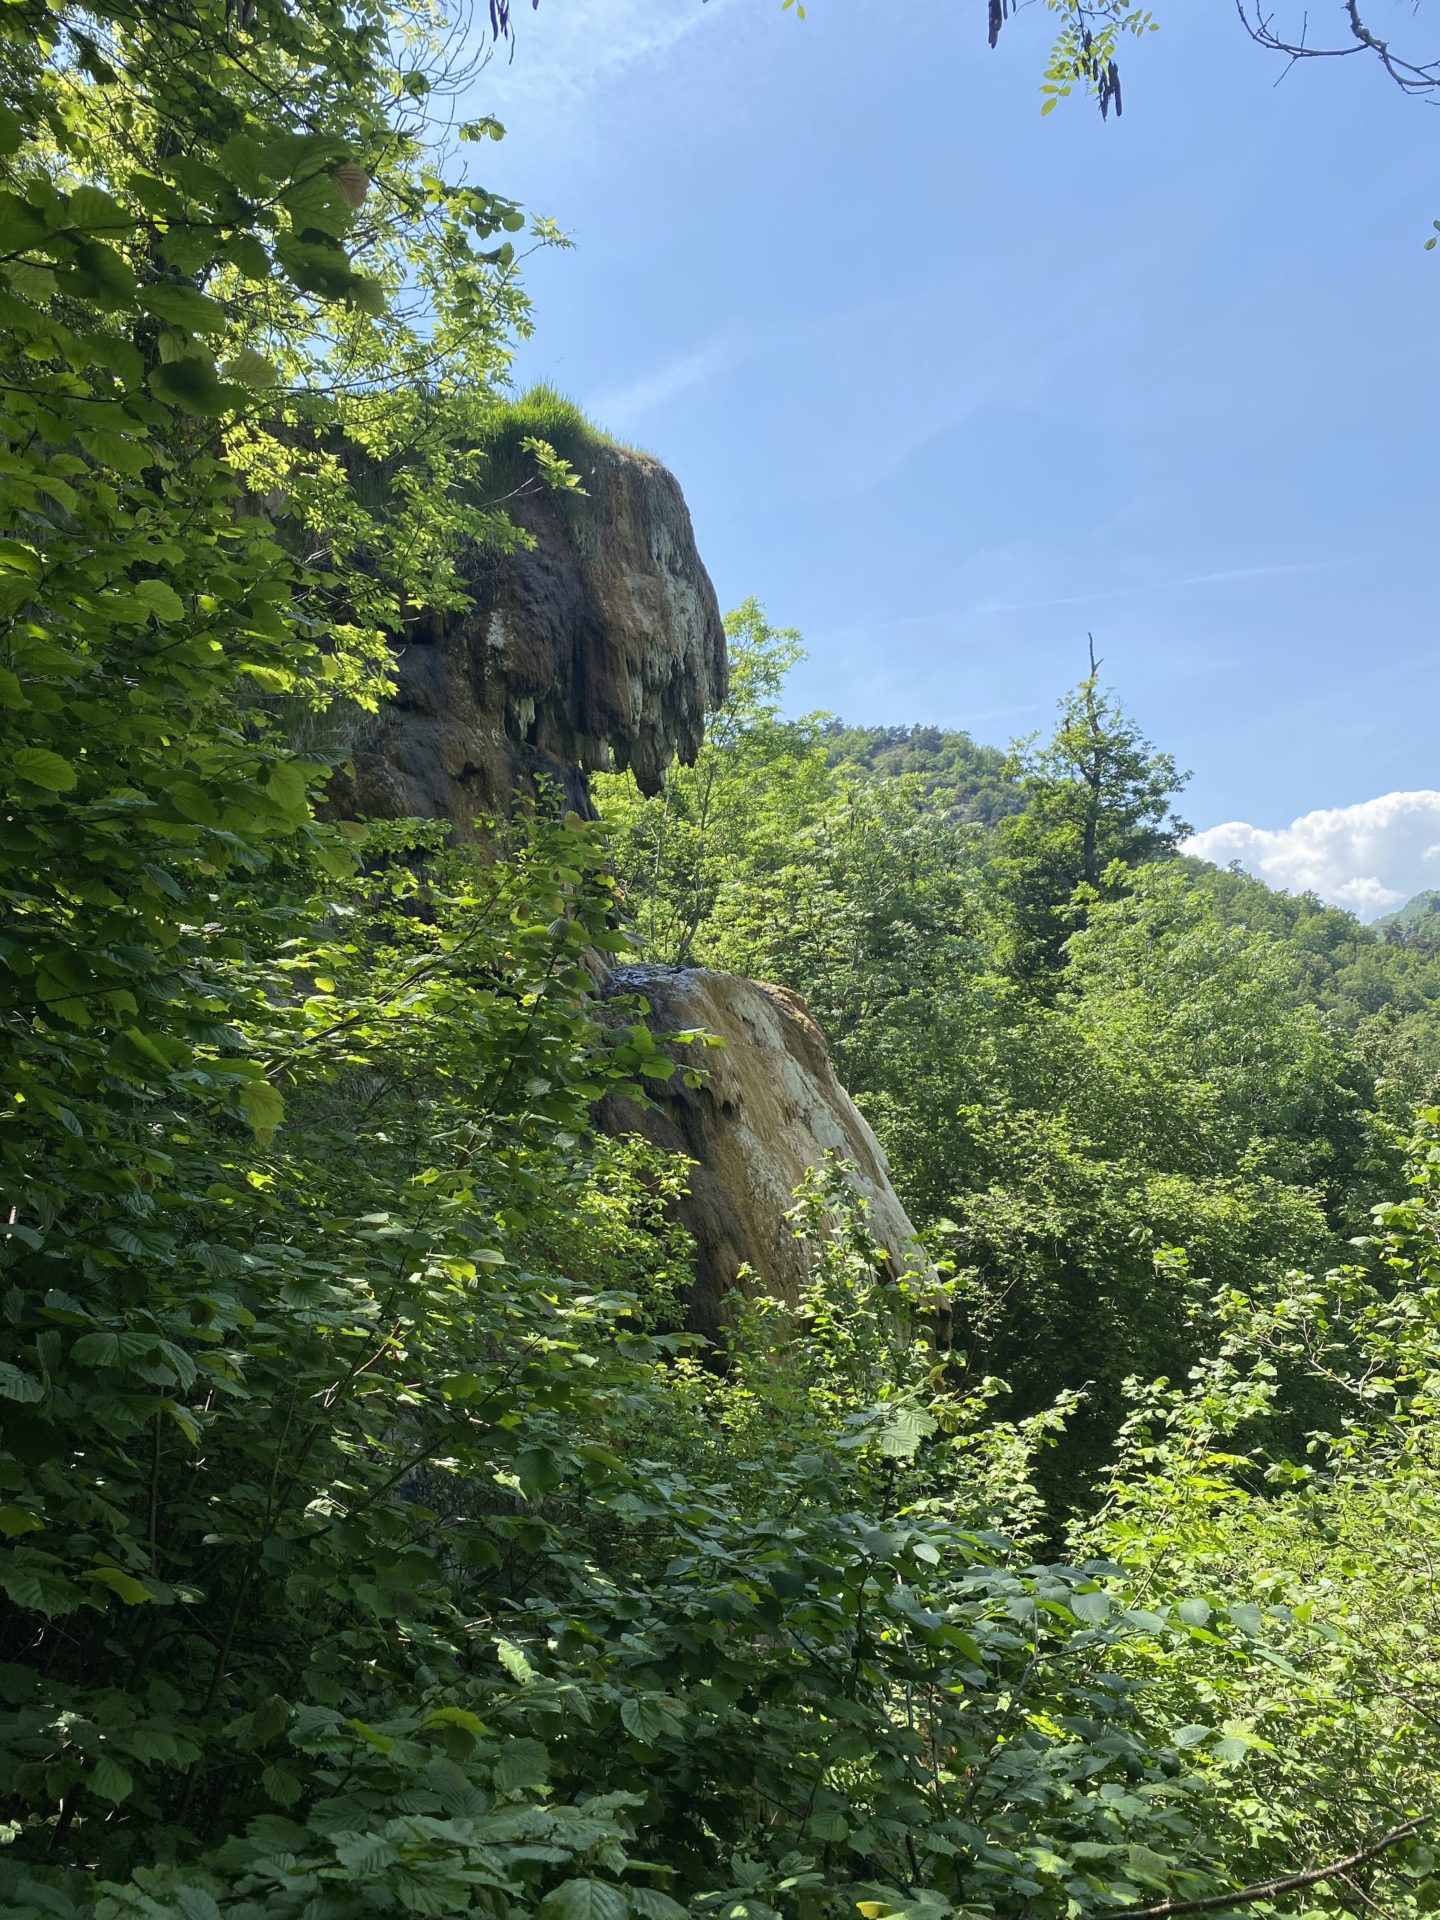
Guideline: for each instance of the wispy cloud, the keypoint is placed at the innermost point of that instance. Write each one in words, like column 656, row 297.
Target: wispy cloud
column 946, row 366
column 1162, row 586
column 576, row 44
column 1027, row 560
column 624, row 405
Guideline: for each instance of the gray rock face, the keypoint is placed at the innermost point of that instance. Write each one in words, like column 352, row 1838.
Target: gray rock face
column 599, row 646
column 769, row 1109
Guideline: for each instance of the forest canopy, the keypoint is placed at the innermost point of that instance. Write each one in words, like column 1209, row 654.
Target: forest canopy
column 378, row 1540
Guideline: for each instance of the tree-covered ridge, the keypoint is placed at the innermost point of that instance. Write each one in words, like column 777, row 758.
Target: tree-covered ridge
column 969, row 781
column 1416, row 920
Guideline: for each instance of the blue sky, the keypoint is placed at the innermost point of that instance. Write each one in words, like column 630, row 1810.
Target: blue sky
column 947, row 384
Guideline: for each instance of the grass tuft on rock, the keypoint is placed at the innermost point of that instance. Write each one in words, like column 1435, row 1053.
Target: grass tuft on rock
column 540, row 413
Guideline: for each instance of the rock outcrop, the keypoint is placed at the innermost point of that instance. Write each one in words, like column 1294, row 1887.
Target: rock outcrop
column 598, row 646
column 769, row 1108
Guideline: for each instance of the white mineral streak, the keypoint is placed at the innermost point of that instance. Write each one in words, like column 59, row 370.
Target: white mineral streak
column 769, row 1109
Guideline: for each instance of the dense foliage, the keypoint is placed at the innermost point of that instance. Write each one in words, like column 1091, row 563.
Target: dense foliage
column 374, row 1543
column 1098, row 1067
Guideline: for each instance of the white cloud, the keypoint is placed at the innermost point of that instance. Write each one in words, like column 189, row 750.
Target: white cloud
column 1368, row 857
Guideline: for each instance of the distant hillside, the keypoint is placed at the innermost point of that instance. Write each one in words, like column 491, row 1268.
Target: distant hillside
column 959, row 775
column 1418, row 919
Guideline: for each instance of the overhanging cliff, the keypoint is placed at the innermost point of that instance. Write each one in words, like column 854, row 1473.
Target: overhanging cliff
column 600, row 645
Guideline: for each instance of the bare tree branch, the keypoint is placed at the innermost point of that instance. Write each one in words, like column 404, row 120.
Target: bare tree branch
column 1419, row 78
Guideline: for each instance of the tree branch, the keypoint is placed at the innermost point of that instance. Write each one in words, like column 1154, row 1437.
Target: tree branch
column 1421, row 78
column 1267, row 1889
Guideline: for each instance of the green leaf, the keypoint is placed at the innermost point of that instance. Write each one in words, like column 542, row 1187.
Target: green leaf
column 186, row 1422
column 365, row 1854
column 522, row 1763
column 191, row 382
column 456, row 1717
column 42, row 768
column 282, row 1785
column 161, row 1049
column 436, row 1897
column 17, row 1520
column 32, row 283
column 239, row 161
column 249, row 256
column 117, row 450
column 585, row 1900
column 98, row 1349
column 160, row 598
column 252, row 368
column 315, row 267
column 1143, row 1863
column 1194, row 1612
column 123, row 1585
column 20, row 224
column 514, row 1661
column 650, row 1719
column 538, row 1470
column 651, row 1904
column 904, row 1432
column 12, row 132
column 191, row 800
column 194, row 1903
column 264, row 1108
column 110, row 1780
column 94, row 210
column 39, row 1588
column 272, row 1716
column 831, row 1827
column 100, row 274
column 185, row 307
column 1092, row 1608
column 22, row 1387
column 288, row 786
